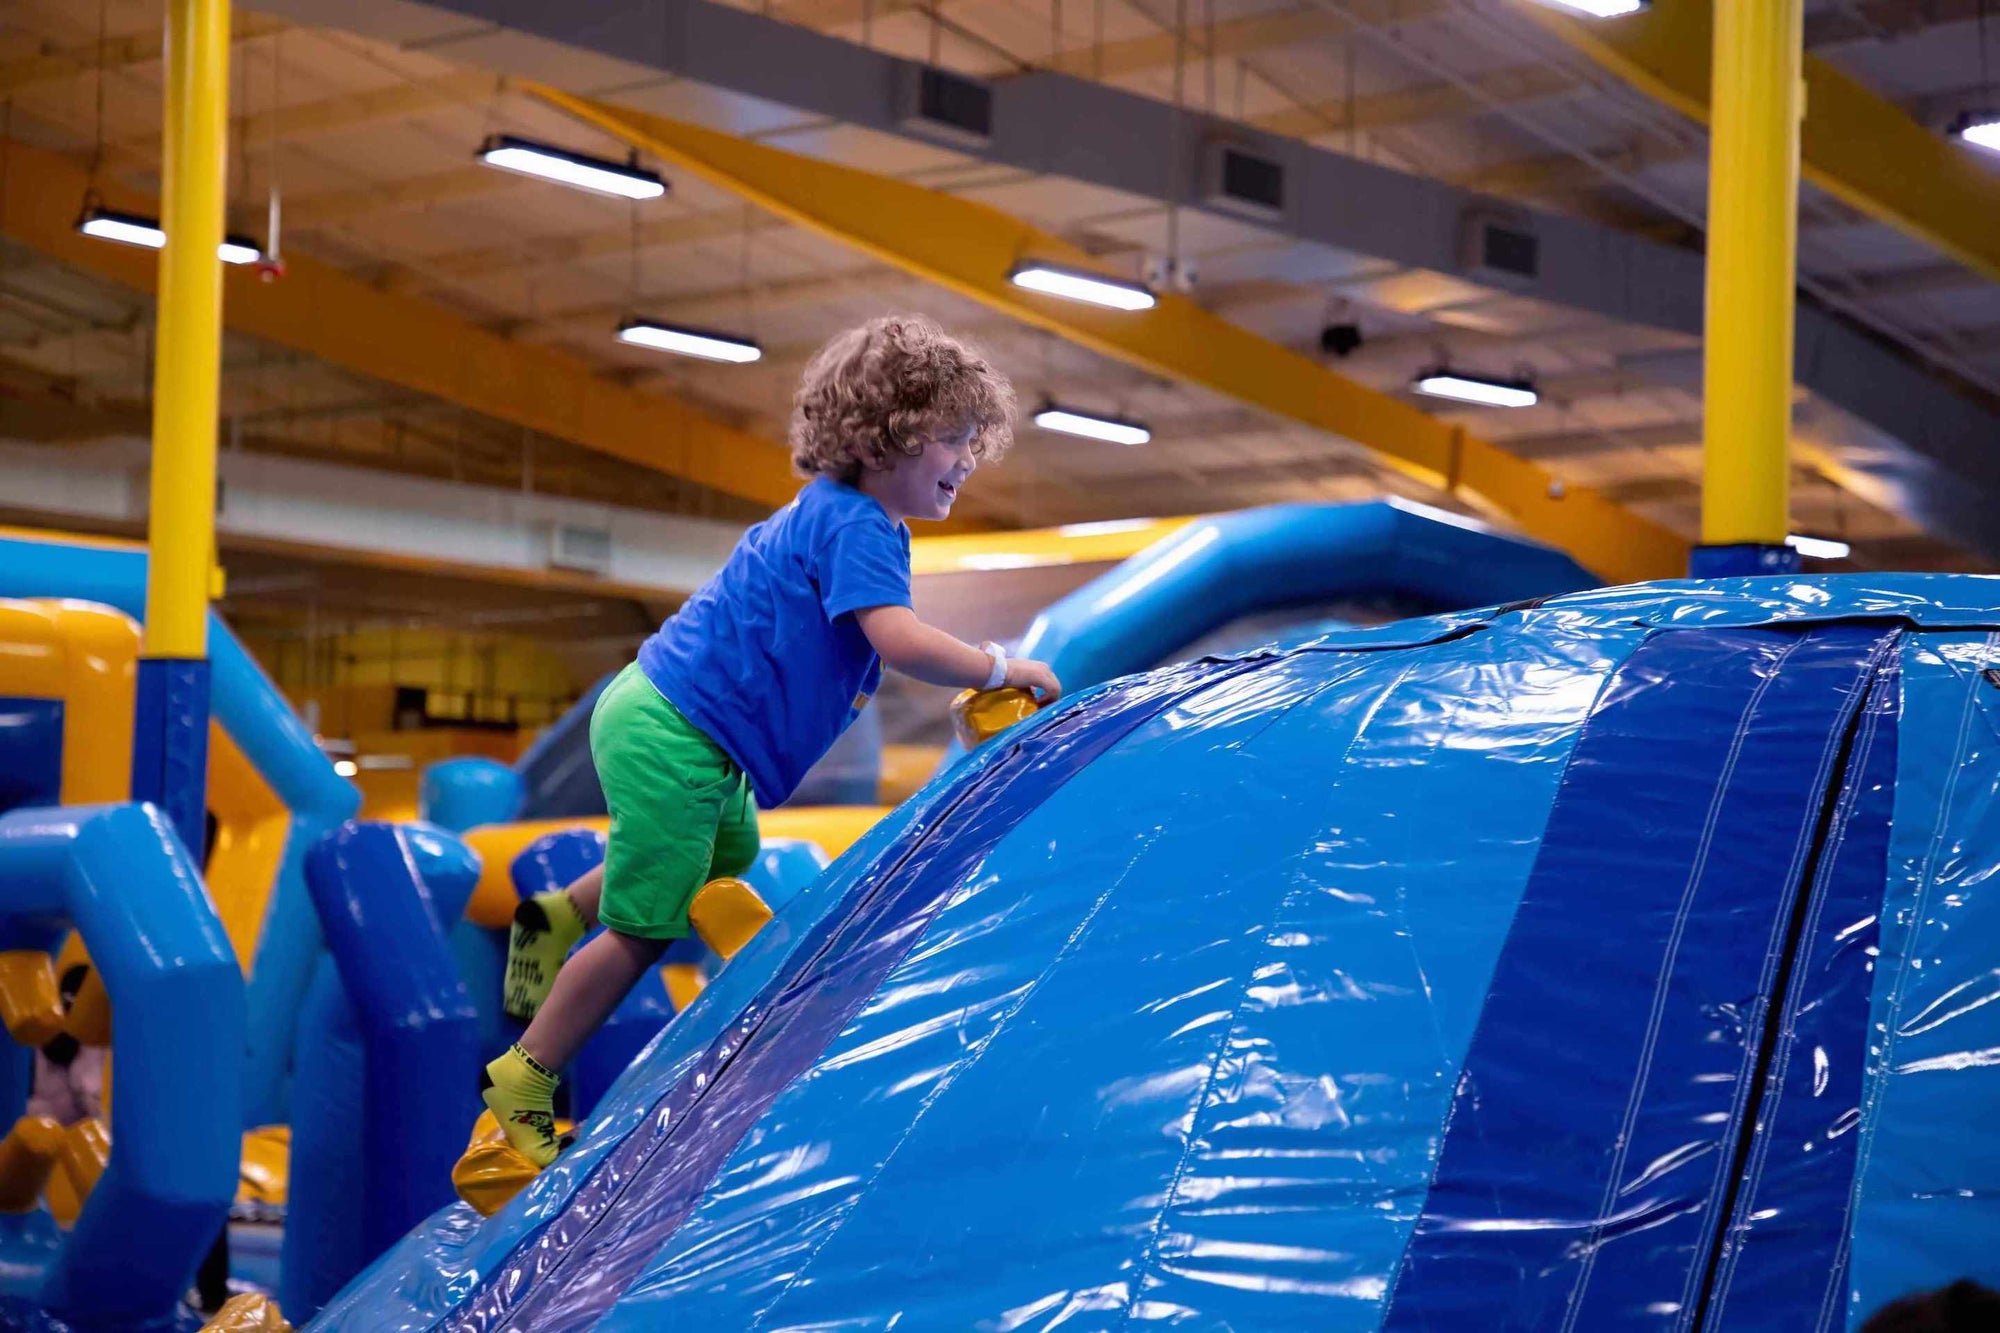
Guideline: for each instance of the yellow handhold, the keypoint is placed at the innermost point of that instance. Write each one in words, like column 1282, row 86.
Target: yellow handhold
column 27, row 1157
column 86, row 1147
column 89, row 1017
column 980, row 715
column 264, row 1174
column 29, row 1004
column 725, row 914
column 248, row 1312
column 492, row 1171
column 684, row 982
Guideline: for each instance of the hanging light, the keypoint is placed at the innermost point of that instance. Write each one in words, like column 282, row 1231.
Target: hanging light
column 626, row 180
column 1463, row 388
column 1078, row 286
column 1111, row 430
column 689, row 342
column 135, row 229
column 1818, row 548
column 1981, row 128
column 1600, row 9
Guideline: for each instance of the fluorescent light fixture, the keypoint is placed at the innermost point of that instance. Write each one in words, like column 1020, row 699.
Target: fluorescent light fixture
column 1819, row 548
column 1979, row 127
column 132, row 229
column 1599, row 9
column 1109, row 429
column 1088, row 287
column 346, row 768
column 689, row 342
column 596, row 174
column 1463, row 388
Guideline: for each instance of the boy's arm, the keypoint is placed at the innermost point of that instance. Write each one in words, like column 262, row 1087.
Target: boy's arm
column 929, row 654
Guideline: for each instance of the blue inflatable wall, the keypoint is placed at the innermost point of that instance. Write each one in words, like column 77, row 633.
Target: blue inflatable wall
column 1619, row 962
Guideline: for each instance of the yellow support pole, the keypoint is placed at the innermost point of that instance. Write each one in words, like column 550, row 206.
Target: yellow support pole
column 1753, row 192
column 187, row 367
column 169, row 757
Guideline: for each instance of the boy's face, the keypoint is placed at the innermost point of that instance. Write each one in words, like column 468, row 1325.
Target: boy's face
column 925, row 485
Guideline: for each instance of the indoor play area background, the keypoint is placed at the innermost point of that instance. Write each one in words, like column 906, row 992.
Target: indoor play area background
column 1508, row 487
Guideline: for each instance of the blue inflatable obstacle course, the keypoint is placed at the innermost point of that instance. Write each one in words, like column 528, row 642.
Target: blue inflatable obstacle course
column 1616, row 962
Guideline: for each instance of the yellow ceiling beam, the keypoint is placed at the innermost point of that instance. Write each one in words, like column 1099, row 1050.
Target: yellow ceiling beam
column 970, row 248
column 1858, row 147
column 320, row 311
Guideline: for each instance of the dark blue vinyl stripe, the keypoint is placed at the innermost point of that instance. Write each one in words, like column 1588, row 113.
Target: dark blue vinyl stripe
column 31, row 745
column 579, row 1262
column 1579, row 1176
column 1785, row 1258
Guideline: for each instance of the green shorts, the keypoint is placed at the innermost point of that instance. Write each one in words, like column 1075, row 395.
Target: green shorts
column 681, row 809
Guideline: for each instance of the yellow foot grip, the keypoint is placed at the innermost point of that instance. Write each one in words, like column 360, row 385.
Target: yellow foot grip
column 725, row 914
column 249, row 1312
column 493, row 1171
column 86, row 1147
column 684, row 982
column 29, row 1003
column 27, row 1158
column 977, row 716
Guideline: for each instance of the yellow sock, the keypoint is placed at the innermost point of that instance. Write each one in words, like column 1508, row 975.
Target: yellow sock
column 546, row 927
column 520, row 1091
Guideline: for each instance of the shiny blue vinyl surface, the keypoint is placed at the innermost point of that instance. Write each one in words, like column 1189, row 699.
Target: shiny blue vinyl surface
column 1593, row 1126
column 1926, row 1203
column 120, row 874
column 1785, row 1261
column 1447, row 974
column 385, row 894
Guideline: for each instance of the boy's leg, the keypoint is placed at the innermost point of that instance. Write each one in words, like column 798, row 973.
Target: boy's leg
column 520, row 1086
column 546, row 927
column 666, row 785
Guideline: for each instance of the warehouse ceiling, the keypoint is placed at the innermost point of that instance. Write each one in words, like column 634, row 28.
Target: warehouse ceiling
column 364, row 133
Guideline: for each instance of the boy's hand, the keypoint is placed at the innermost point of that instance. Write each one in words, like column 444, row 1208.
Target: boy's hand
column 1024, row 673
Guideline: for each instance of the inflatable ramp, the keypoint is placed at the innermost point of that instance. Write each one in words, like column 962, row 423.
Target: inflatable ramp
column 1617, row 962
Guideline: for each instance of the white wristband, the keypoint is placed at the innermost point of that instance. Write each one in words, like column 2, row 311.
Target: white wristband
column 998, row 675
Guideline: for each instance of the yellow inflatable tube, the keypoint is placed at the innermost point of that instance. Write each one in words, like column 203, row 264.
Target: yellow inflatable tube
column 834, row 827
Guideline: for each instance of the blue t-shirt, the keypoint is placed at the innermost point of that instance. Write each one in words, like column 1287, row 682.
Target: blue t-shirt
column 767, row 657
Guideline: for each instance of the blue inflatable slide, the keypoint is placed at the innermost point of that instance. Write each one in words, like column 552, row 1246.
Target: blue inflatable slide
column 1617, row 960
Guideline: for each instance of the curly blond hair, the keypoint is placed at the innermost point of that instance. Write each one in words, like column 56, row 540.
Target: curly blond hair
column 886, row 388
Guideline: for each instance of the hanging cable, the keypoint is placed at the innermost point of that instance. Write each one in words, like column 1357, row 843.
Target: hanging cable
column 274, row 213
column 1175, row 186
column 1208, row 48
column 97, row 150
column 1985, row 78
column 632, row 278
